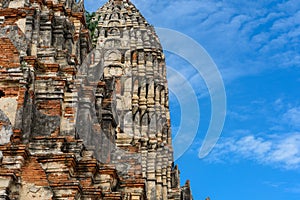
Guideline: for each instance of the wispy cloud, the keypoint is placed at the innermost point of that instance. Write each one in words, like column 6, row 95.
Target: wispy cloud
column 276, row 146
column 250, row 36
column 292, row 117
column 278, row 151
column 262, row 34
column 293, row 189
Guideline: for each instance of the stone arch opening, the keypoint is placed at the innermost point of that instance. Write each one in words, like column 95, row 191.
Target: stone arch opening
column 6, row 130
column 2, row 93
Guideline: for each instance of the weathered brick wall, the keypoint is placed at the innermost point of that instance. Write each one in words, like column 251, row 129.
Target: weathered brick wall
column 77, row 123
column 9, row 57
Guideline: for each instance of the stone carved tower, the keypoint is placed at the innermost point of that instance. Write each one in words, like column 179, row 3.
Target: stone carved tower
column 133, row 57
column 82, row 117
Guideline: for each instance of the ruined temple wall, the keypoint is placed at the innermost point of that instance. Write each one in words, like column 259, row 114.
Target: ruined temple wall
column 59, row 98
column 44, row 44
column 133, row 56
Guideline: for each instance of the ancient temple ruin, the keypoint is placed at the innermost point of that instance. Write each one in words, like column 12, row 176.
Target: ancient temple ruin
column 84, row 113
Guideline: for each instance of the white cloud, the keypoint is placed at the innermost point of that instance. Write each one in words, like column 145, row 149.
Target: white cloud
column 275, row 151
column 278, row 148
column 287, row 150
column 292, row 117
column 278, row 104
column 237, row 35
column 238, row 116
column 254, row 34
column 250, row 145
column 294, row 189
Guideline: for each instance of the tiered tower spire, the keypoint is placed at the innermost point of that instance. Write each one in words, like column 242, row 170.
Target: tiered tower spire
column 81, row 117
column 132, row 55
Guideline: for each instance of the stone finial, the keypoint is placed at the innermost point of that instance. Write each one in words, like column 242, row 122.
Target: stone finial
column 119, row 1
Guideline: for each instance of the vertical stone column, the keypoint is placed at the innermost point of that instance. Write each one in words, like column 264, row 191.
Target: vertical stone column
column 35, row 31
column 159, row 174
column 58, row 32
column 45, row 37
column 151, row 179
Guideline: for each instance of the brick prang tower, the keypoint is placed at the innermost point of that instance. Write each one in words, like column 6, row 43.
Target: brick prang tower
column 84, row 113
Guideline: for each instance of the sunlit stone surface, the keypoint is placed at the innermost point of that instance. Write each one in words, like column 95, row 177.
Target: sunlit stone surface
column 83, row 115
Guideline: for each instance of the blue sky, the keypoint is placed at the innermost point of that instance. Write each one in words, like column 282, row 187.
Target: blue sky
column 256, row 46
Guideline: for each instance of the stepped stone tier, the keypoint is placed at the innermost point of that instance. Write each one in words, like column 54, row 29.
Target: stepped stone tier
column 83, row 114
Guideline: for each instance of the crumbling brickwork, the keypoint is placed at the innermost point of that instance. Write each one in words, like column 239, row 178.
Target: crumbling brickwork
column 81, row 116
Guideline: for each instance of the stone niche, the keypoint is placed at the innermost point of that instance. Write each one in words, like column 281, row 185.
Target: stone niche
column 9, row 107
column 113, row 71
column 5, row 128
